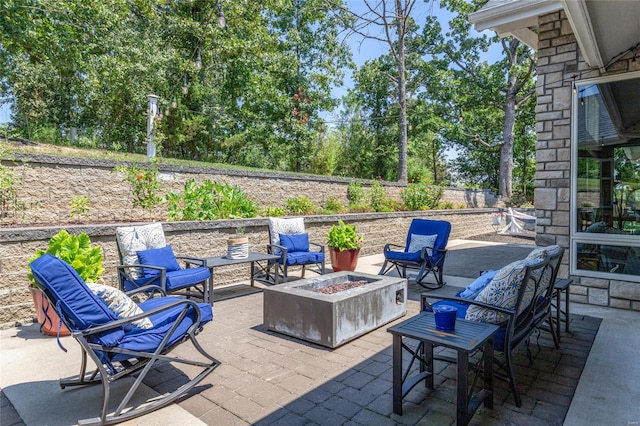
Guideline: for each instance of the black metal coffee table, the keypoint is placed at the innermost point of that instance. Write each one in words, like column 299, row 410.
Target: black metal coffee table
column 260, row 263
column 467, row 337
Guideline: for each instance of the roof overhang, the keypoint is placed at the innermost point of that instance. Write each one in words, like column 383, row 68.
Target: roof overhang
column 518, row 18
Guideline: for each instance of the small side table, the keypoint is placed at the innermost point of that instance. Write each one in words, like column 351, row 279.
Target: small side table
column 466, row 338
column 562, row 285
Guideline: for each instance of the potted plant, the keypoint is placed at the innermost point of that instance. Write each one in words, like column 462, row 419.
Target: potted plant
column 344, row 246
column 238, row 246
column 76, row 250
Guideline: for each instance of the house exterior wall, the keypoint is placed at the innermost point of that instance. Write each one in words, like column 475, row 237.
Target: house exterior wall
column 559, row 60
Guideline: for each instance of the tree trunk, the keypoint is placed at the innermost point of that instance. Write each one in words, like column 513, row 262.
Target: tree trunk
column 506, row 151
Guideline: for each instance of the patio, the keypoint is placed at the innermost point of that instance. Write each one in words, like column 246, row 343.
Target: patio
column 267, row 378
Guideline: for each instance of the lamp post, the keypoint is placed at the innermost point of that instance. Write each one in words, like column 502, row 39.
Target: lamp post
column 152, row 111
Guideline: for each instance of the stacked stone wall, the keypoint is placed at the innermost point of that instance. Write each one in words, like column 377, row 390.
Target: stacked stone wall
column 202, row 239
column 560, row 64
column 50, row 183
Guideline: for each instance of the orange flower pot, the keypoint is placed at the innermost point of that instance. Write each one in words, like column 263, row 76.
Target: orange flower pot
column 47, row 316
column 345, row 260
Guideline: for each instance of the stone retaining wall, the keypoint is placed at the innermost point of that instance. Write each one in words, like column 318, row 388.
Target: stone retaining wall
column 201, row 239
column 50, row 183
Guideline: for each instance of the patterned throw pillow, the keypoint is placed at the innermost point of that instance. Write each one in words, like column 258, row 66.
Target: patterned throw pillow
column 551, row 252
column 132, row 239
column 419, row 241
column 120, row 304
column 503, row 289
column 285, row 226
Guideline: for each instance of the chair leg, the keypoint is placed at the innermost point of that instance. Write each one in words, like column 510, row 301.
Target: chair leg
column 303, row 269
column 512, row 378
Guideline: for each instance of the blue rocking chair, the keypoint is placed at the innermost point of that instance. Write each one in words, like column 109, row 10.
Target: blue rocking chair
column 424, row 250
column 120, row 344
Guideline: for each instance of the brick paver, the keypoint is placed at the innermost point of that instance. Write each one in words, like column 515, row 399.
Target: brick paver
column 266, row 378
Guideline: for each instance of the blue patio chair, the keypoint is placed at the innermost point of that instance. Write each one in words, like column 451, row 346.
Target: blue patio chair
column 122, row 337
column 146, row 259
column 424, row 250
column 289, row 240
column 501, row 297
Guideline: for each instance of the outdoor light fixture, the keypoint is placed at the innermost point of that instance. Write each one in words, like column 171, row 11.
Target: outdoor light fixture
column 185, row 88
column 198, row 63
column 221, row 21
column 174, row 103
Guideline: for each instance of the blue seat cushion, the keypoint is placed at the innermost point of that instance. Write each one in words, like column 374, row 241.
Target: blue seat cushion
column 304, row 258
column 295, row 242
column 186, row 277
column 148, row 340
column 403, row 256
column 162, row 257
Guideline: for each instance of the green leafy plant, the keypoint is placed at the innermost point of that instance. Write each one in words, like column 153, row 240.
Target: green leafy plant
column 355, row 193
column 210, row 201
column 344, row 237
column 378, row 197
column 144, row 183
column 419, row 196
column 77, row 251
column 273, row 211
column 333, row 205
column 300, row 205
column 80, row 205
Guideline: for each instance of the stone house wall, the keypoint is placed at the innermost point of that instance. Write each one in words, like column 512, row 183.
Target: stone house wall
column 49, row 183
column 559, row 60
column 202, row 239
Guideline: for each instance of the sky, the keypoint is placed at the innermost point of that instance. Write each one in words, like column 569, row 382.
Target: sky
column 362, row 50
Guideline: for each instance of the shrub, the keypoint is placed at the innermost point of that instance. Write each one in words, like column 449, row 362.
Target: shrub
column 80, row 205
column 210, row 201
column 76, row 250
column 273, row 211
column 300, row 205
column 378, row 197
column 144, row 184
column 333, row 205
column 419, row 196
column 355, row 193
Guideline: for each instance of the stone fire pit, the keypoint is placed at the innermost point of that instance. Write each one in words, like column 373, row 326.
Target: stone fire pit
column 332, row 309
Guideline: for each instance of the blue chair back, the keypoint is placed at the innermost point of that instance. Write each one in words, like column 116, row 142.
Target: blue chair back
column 69, row 294
column 441, row 228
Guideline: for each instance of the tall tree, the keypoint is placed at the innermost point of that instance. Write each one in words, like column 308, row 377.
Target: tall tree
column 389, row 22
column 479, row 95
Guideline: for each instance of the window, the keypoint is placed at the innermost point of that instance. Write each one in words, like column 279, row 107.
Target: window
column 606, row 178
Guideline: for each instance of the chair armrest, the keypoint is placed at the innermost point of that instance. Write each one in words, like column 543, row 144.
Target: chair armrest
column 388, row 246
column 320, row 246
column 125, row 321
column 270, row 249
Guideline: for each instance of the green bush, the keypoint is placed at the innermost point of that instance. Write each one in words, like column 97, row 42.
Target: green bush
column 355, row 193
column 378, row 197
column 273, row 211
column 333, row 205
column 419, row 196
column 210, row 201
column 144, row 183
column 300, row 205
column 80, row 206
column 76, row 250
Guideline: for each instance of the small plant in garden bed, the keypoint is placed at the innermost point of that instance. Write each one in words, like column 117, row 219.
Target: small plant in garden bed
column 300, row 205
column 420, row 196
column 355, row 193
column 210, row 201
column 144, row 183
column 80, row 206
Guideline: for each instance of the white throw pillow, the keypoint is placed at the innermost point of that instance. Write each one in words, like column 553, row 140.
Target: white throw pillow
column 280, row 225
column 419, row 241
column 132, row 239
column 120, row 304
